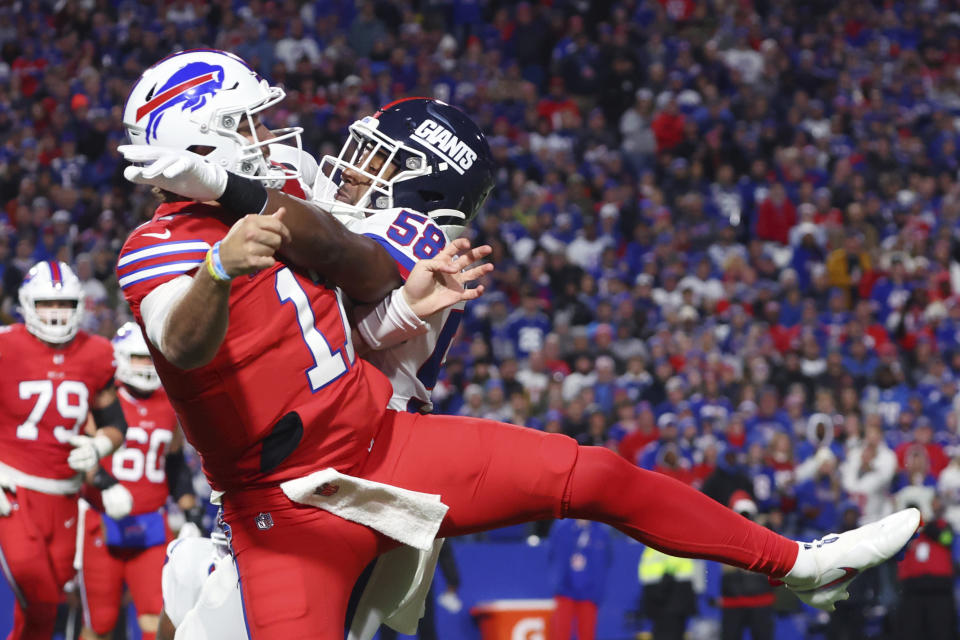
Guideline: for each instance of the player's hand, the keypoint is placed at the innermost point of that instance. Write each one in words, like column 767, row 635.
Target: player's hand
column 189, row 530
column 87, row 451
column 6, row 485
column 181, row 172
column 117, row 501
column 439, row 282
column 251, row 242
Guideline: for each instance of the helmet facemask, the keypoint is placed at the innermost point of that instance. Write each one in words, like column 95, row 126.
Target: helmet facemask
column 136, row 370
column 244, row 156
column 54, row 320
column 52, row 306
column 134, row 363
column 364, row 148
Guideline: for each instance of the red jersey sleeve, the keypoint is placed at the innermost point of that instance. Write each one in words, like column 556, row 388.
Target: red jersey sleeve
column 174, row 243
column 103, row 366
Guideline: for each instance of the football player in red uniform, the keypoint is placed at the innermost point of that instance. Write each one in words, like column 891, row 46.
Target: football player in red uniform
column 55, row 377
column 125, row 546
column 251, row 339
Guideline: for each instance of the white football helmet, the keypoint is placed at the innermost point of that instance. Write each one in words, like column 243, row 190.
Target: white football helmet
column 127, row 343
column 195, row 100
column 51, row 281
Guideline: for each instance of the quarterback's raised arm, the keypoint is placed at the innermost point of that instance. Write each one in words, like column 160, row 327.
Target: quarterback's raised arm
column 190, row 326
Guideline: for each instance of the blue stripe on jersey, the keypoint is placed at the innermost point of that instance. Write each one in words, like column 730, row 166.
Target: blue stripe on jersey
column 165, row 255
column 430, row 369
column 405, row 262
column 161, row 249
column 157, row 271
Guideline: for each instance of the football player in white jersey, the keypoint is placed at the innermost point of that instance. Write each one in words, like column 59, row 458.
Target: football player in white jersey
column 367, row 188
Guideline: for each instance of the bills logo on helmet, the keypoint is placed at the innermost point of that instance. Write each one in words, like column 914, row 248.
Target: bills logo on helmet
column 189, row 87
column 442, row 142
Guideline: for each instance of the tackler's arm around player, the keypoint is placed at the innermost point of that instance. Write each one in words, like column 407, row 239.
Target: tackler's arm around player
column 356, row 264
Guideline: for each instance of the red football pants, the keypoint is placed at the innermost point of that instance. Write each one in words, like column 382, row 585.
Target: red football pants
column 296, row 574
column 107, row 569
column 37, row 544
column 573, row 614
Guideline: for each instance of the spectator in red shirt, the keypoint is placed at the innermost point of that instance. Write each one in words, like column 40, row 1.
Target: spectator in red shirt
column 668, row 127
column 552, row 106
column 776, row 216
column 927, row 608
column 923, row 437
column 636, row 441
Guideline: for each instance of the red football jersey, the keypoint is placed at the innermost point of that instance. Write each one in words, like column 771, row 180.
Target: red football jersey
column 287, row 349
column 45, row 396
column 140, row 464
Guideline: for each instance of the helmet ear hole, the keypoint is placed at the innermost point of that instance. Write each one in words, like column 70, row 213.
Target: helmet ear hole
column 200, row 149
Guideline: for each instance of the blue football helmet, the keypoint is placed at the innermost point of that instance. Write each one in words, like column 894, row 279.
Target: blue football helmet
column 416, row 153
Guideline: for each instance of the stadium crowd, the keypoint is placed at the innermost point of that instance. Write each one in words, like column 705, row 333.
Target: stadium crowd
column 726, row 233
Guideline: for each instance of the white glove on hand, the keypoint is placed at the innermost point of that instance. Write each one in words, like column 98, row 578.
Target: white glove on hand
column 117, row 501
column 189, row 530
column 6, row 484
column 450, row 601
column 181, row 172
column 87, row 451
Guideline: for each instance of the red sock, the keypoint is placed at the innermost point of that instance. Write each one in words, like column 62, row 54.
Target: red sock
column 670, row 516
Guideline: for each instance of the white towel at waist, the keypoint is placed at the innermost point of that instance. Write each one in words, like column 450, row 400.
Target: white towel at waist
column 409, row 517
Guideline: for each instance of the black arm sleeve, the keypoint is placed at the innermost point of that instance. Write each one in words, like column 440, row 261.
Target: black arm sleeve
column 195, row 515
column 243, row 195
column 110, row 416
column 179, row 480
column 103, row 480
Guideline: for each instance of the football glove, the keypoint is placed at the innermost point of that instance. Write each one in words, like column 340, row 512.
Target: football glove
column 181, row 172
column 117, row 501
column 87, row 451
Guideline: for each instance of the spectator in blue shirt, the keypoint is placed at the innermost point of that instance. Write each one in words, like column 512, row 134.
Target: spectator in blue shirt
column 769, row 419
column 580, row 557
column 818, row 498
column 528, row 325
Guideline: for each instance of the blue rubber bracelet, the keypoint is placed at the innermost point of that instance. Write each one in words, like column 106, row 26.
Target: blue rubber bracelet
column 217, row 264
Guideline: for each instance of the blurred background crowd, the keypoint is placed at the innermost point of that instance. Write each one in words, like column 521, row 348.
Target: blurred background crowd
column 727, row 232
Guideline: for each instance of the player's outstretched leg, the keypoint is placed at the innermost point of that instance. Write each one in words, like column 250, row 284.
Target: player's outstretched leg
column 679, row 520
column 492, row 474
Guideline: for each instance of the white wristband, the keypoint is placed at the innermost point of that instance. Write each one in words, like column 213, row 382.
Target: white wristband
column 391, row 322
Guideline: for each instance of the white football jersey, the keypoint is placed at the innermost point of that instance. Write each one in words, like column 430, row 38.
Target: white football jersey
column 189, row 562
column 412, row 366
column 218, row 613
column 201, row 592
